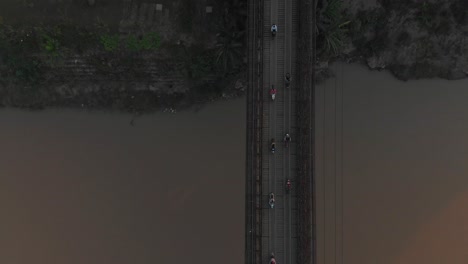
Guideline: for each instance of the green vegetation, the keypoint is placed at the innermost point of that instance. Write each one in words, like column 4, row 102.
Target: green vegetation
column 51, row 44
column 110, row 42
column 19, row 66
column 231, row 28
column 229, row 50
column 397, row 4
column 369, row 32
column 25, row 70
column 331, row 28
column 332, row 10
column 459, row 9
column 149, row 41
column 186, row 16
column 133, row 44
column 76, row 39
column 201, row 66
column 372, row 20
column 27, row 53
column 198, row 62
column 435, row 18
column 403, row 38
column 30, row 58
column 426, row 14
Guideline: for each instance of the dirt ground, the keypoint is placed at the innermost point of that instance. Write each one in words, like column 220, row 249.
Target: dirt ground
column 32, row 12
column 179, row 19
column 188, row 22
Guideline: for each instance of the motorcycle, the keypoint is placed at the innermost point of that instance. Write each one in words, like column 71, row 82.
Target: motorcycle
column 272, row 259
column 271, row 202
column 288, row 185
column 287, row 80
column 287, row 139
column 273, row 93
column 274, row 28
column 273, row 145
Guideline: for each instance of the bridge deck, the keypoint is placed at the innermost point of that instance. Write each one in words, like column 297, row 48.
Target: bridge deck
column 272, row 230
column 279, row 224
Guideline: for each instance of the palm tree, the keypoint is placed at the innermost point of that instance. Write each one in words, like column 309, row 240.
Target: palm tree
column 330, row 26
column 229, row 49
column 230, row 44
column 332, row 37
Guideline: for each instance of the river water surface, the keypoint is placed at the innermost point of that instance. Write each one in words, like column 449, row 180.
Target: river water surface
column 86, row 187
column 78, row 187
column 391, row 169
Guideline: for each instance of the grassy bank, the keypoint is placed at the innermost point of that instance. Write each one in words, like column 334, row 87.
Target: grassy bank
column 68, row 64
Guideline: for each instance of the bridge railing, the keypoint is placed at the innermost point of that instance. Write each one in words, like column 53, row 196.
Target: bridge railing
column 253, row 243
column 306, row 230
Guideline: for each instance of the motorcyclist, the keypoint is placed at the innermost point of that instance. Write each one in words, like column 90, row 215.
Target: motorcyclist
column 288, row 184
column 287, row 139
column 274, row 29
column 272, row 259
column 287, row 79
column 273, row 144
column 271, row 202
column 272, row 92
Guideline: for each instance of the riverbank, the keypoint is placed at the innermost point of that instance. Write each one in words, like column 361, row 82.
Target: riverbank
column 412, row 39
column 131, row 56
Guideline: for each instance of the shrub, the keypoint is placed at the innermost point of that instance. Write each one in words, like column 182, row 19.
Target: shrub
column 187, row 15
column 25, row 70
column 50, row 44
column 444, row 27
column 110, row 42
column 133, row 44
column 372, row 19
column 201, row 66
column 426, row 14
column 332, row 28
column 396, row 4
column 403, row 38
column 459, row 10
column 76, row 38
column 150, row 41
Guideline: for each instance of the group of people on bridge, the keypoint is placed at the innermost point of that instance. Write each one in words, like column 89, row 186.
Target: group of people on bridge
column 286, row 139
column 287, row 81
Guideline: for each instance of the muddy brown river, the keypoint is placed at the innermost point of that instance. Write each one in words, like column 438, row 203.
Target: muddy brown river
column 391, row 169
column 86, row 187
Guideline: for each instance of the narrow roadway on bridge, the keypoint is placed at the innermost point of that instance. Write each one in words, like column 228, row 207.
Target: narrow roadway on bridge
column 279, row 223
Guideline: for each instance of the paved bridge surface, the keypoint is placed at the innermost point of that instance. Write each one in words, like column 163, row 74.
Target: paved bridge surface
column 270, row 58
